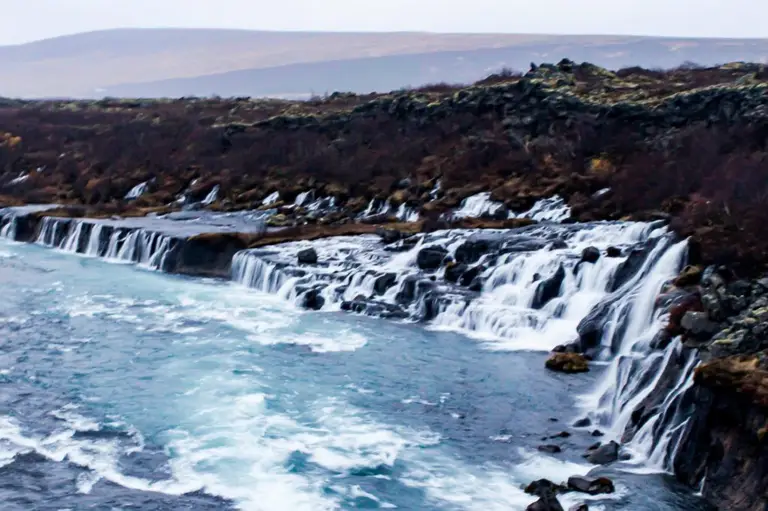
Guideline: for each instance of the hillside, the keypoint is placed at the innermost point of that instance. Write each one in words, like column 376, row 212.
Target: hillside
column 176, row 62
column 687, row 145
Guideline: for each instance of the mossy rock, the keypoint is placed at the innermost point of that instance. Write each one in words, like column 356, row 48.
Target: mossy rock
column 567, row 363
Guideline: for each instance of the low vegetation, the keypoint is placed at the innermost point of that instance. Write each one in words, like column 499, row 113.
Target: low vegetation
column 687, row 144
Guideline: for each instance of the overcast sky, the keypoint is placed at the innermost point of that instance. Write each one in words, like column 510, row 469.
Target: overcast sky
column 27, row 20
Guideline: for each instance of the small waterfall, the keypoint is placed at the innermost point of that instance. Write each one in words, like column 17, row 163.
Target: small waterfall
column 271, row 199
column 251, row 271
column 50, row 231
column 89, row 237
column 406, row 214
column 212, row 196
column 94, row 241
column 72, row 240
column 477, row 206
column 137, row 191
column 9, row 228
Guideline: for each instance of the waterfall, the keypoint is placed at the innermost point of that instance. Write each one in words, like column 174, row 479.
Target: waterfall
column 271, row 199
column 9, row 229
column 255, row 273
column 94, row 241
column 137, row 191
column 212, row 196
column 406, row 214
column 87, row 237
column 73, row 237
column 524, row 289
column 478, row 205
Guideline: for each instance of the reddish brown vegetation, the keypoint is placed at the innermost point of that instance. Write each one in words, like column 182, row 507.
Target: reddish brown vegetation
column 655, row 138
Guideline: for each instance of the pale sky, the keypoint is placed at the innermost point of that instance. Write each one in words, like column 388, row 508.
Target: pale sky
column 27, row 20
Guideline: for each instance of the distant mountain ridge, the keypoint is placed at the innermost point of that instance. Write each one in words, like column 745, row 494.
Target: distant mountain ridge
column 183, row 62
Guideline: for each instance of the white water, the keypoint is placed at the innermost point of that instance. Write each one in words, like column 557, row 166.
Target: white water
column 126, row 245
column 9, row 229
column 477, row 205
column 271, row 198
column 502, row 316
column 137, row 191
column 212, row 196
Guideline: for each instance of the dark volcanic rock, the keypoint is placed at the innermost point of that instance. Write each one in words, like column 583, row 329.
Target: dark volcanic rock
column 543, row 487
column 630, row 267
column 384, row 282
column 605, row 454
column 613, row 252
column 307, row 256
column 548, row 288
column 550, row 448
column 431, row 258
column 547, row 492
column 546, row 503
column 592, row 486
column 454, row 271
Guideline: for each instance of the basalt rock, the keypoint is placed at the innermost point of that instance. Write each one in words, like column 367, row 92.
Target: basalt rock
column 431, row 258
column 590, row 255
column 548, row 288
column 307, row 256
column 592, row 486
column 605, row 454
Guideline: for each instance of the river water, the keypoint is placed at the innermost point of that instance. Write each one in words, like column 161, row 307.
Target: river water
column 123, row 388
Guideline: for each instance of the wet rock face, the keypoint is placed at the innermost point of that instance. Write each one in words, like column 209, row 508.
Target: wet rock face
column 431, row 258
column 725, row 445
column 549, row 288
column 547, row 492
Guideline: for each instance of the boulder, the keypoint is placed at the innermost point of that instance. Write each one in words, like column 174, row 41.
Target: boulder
column 699, row 324
column 431, row 258
column 307, row 256
column 454, row 271
column 312, row 300
column 579, row 507
column 567, row 363
column 548, row 288
column 384, row 282
column 590, row 255
column 550, row 449
column 590, row 485
column 547, row 492
column 543, row 487
column 546, row 503
column 605, row 454
column 613, row 252
column 582, row 423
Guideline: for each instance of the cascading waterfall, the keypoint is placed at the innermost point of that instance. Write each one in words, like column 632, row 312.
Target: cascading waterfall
column 532, row 292
column 9, row 228
column 129, row 245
